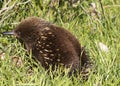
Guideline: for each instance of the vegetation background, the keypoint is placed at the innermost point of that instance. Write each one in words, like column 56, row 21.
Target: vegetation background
column 96, row 24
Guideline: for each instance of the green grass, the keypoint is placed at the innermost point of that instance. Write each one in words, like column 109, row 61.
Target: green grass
column 103, row 27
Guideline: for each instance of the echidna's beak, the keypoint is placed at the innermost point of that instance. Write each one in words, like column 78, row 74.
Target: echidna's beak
column 8, row 33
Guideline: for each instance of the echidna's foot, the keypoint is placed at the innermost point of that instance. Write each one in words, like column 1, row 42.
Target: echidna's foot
column 86, row 70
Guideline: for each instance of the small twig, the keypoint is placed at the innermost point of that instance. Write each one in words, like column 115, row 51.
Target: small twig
column 101, row 5
column 24, row 2
column 109, row 6
column 5, row 8
column 7, row 3
column 103, row 12
column 14, row 23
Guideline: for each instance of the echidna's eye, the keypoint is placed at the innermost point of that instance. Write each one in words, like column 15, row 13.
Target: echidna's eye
column 18, row 34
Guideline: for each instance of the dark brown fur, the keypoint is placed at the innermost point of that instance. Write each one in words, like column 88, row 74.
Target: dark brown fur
column 50, row 44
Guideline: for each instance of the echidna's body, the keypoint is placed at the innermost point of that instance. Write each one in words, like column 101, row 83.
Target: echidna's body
column 50, row 44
